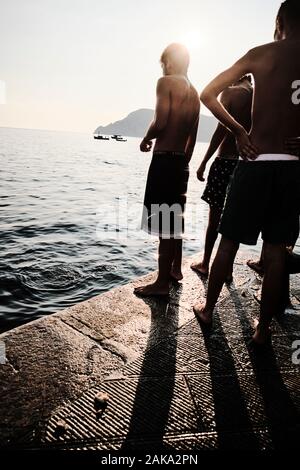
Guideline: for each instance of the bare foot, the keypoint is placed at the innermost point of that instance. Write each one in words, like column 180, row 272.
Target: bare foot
column 200, row 268
column 152, row 290
column 256, row 266
column 204, row 315
column 262, row 336
column 176, row 275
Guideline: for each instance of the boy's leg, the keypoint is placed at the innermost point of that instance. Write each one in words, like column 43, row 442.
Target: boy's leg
column 160, row 287
column 223, row 261
column 293, row 263
column 286, row 300
column 210, row 240
column 258, row 266
column 176, row 272
column 272, row 289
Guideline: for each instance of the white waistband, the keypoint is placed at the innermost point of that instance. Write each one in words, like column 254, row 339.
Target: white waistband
column 274, row 157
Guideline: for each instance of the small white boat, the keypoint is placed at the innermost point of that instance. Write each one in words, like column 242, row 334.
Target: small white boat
column 101, row 137
column 118, row 138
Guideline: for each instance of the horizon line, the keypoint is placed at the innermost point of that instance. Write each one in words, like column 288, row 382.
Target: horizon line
column 45, row 130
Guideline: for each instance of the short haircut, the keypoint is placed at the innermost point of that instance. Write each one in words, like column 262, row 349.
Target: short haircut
column 290, row 11
column 176, row 54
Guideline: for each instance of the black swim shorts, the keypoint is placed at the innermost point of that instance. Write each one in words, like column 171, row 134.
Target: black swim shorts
column 165, row 195
column 264, row 197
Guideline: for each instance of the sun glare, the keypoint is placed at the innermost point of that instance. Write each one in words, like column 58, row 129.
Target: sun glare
column 191, row 39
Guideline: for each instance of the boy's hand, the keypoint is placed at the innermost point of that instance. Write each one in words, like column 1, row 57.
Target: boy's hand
column 201, row 171
column 246, row 149
column 146, row 145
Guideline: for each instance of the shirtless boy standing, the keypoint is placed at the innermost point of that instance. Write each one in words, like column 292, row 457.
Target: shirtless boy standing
column 237, row 99
column 174, row 127
column 265, row 193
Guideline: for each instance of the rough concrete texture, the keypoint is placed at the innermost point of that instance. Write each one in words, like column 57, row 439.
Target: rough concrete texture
column 170, row 384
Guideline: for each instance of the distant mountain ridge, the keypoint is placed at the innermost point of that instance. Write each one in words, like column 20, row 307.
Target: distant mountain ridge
column 137, row 122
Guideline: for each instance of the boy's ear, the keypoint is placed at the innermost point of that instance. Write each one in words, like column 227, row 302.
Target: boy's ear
column 280, row 26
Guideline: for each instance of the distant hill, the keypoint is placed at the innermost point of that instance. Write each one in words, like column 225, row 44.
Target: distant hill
column 137, row 122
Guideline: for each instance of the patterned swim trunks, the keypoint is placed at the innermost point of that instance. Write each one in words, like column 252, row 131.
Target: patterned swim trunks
column 219, row 177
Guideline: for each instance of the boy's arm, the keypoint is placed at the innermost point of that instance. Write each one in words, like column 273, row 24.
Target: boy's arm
column 189, row 149
column 161, row 115
column 217, row 138
column 209, row 97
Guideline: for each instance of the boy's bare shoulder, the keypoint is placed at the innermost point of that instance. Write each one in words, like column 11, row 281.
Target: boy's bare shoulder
column 165, row 81
column 169, row 80
column 177, row 85
column 165, row 85
column 259, row 51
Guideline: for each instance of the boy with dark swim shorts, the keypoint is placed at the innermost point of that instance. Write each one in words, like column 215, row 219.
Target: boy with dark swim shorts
column 238, row 100
column 267, row 182
column 175, row 128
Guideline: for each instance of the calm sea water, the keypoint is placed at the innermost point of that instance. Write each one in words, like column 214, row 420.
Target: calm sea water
column 61, row 196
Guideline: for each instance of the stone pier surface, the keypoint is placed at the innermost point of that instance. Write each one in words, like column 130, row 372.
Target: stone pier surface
column 169, row 383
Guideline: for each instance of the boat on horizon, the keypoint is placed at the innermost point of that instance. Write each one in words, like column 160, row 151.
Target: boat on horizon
column 101, row 137
column 118, row 138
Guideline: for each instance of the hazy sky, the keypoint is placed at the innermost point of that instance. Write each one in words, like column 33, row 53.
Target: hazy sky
column 76, row 64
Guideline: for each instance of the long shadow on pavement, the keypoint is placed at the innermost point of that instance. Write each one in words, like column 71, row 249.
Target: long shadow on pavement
column 280, row 406
column 153, row 397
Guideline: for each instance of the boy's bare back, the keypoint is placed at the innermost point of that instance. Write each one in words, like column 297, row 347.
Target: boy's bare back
column 275, row 68
column 183, row 113
column 238, row 101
